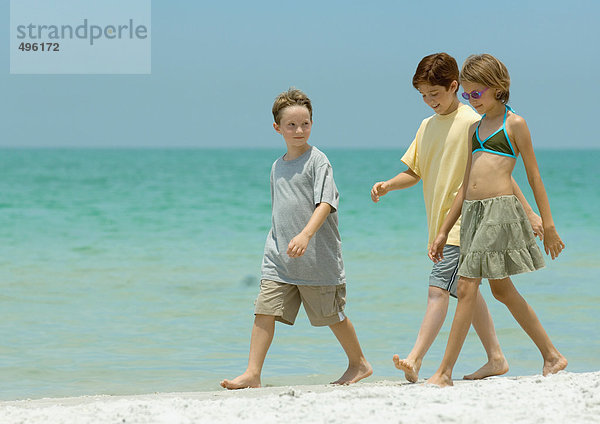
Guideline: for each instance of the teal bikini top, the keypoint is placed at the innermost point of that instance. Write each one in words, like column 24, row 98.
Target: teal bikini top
column 497, row 143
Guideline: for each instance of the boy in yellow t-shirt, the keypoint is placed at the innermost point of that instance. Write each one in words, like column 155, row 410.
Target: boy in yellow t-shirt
column 438, row 156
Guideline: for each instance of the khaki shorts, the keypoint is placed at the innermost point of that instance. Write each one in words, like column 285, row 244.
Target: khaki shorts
column 324, row 305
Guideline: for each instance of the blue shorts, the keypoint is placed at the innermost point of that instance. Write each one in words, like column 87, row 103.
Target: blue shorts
column 444, row 274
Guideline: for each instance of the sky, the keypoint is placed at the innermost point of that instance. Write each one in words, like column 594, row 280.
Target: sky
column 217, row 66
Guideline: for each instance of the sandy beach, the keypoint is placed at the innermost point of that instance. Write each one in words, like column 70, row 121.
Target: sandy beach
column 565, row 397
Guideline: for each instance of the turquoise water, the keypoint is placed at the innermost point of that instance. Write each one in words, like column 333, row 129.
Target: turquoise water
column 135, row 271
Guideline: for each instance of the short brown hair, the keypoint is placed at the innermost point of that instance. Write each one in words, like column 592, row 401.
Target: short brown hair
column 485, row 69
column 436, row 69
column 291, row 97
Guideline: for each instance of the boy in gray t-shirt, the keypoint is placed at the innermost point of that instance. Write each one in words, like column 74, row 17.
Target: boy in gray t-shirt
column 298, row 185
column 303, row 253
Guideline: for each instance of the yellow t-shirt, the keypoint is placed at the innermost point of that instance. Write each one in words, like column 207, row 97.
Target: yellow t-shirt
column 439, row 156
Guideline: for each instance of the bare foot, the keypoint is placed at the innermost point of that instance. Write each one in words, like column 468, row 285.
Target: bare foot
column 557, row 364
column 440, row 380
column 355, row 373
column 410, row 368
column 243, row 381
column 492, row 367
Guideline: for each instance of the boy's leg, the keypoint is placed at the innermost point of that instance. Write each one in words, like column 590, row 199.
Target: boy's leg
column 358, row 366
column 505, row 292
column 435, row 314
column 484, row 326
column 276, row 301
column 262, row 336
column 442, row 282
column 324, row 305
column 465, row 308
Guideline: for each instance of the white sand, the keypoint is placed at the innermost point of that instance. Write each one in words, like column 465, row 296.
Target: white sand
column 562, row 398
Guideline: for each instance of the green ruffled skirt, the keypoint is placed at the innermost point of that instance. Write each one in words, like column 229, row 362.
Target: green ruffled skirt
column 496, row 239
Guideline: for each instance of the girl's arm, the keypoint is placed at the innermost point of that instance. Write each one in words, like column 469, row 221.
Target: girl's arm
column 534, row 219
column 436, row 249
column 553, row 245
column 298, row 244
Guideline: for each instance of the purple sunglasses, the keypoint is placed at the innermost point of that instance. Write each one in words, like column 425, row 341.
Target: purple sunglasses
column 474, row 94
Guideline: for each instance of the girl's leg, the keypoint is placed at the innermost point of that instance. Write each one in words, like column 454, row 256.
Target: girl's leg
column 484, row 326
column 358, row 367
column 437, row 307
column 262, row 336
column 467, row 297
column 505, row 292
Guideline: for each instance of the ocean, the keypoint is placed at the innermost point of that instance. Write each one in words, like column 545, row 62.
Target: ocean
column 135, row 271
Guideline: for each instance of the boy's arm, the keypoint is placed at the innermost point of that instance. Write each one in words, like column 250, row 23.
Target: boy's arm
column 403, row 180
column 298, row 244
column 534, row 219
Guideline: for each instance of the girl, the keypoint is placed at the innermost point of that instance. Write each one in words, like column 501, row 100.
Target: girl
column 496, row 238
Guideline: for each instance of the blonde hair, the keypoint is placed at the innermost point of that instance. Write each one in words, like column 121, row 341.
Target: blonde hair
column 292, row 97
column 485, row 69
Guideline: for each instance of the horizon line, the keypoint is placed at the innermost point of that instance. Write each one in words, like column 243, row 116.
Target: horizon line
column 544, row 148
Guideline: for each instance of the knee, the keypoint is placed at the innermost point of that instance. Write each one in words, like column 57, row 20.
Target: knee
column 501, row 289
column 467, row 288
column 437, row 294
column 499, row 294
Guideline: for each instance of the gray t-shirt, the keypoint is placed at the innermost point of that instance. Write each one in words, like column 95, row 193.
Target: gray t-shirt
column 297, row 186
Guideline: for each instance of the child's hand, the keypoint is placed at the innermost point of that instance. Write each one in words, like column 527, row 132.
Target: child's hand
column 436, row 250
column 379, row 189
column 552, row 242
column 536, row 224
column 297, row 245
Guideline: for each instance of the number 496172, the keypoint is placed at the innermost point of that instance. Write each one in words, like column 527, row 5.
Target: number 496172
column 44, row 47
